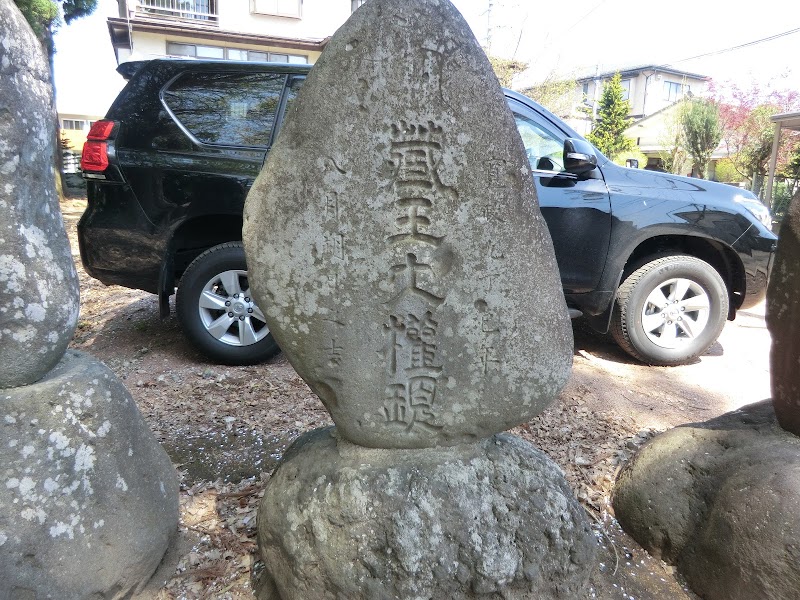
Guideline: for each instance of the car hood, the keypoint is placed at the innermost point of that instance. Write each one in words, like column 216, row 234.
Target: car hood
column 667, row 186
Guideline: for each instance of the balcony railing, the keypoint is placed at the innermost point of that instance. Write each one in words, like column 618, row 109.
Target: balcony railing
column 194, row 11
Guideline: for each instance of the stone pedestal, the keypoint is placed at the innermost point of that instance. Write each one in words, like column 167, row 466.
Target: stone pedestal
column 721, row 500
column 494, row 517
column 88, row 499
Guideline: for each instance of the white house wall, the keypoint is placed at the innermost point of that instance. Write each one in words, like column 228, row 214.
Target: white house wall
column 320, row 19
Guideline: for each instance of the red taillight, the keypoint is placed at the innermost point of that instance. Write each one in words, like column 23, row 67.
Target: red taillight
column 95, row 156
column 101, row 130
column 95, row 150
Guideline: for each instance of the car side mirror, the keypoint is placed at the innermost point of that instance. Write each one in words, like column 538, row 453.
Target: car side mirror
column 579, row 157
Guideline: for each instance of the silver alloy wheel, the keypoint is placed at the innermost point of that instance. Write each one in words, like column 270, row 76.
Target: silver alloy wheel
column 228, row 311
column 675, row 312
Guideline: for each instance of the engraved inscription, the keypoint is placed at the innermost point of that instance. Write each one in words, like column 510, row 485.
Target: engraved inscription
column 411, row 345
column 332, row 207
column 410, row 394
column 496, row 172
column 411, row 270
column 334, row 354
column 414, row 223
column 416, row 156
column 489, row 359
column 334, row 245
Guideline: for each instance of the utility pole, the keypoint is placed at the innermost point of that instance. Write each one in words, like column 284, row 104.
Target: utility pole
column 489, row 26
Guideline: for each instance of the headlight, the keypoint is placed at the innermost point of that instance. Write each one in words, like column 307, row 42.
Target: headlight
column 757, row 209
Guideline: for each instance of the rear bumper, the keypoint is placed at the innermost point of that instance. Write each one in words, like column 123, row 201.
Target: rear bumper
column 118, row 245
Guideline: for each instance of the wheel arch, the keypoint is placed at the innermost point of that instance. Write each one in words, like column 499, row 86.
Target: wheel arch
column 196, row 235
column 190, row 239
column 718, row 255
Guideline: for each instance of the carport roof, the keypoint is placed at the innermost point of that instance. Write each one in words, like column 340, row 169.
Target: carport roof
column 782, row 121
column 788, row 121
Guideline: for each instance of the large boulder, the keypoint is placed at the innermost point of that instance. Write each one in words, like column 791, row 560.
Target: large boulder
column 783, row 320
column 395, row 243
column 39, row 297
column 88, row 499
column 721, row 500
column 484, row 520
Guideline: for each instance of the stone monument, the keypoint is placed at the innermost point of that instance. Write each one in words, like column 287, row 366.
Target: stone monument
column 783, row 319
column 395, row 241
column 88, row 499
column 721, row 499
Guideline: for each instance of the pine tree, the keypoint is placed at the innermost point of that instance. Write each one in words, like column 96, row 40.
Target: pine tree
column 609, row 132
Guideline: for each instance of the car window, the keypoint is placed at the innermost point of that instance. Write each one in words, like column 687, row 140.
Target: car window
column 232, row 109
column 544, row 149
column 291, row 93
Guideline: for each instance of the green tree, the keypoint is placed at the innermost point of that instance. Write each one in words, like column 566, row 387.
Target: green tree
column 556, row 93
column 608, row 133
column 701, row 132
column 44, row 18
column 506, row 69
column 791, row 171
column 672, row 152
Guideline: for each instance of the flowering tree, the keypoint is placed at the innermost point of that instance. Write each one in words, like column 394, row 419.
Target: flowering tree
column 748, row 132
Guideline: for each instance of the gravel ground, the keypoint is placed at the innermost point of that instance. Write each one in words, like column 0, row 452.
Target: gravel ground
column 226, row 427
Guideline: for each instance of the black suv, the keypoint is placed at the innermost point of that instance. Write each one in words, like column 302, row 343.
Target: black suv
column 660, row 260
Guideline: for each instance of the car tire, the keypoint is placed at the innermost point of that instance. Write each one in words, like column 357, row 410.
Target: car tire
column 218, row 314
column 670, row 310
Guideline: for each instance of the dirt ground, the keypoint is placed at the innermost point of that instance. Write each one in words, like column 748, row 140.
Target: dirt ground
column 226, row 427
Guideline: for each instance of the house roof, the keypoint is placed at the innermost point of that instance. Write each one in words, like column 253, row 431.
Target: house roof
column 120, row 30
column 633, row 71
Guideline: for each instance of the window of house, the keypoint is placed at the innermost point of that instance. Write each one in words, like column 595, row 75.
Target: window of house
column 209, row 52
column 218, row 52
column 674, row 91
column 585, row 88
column 354, row 4
column 235, row 54
column 280, row 8
column 232, row 109
column 195, row 50
column 626, row 89
column 74, row 124
column 175, row 49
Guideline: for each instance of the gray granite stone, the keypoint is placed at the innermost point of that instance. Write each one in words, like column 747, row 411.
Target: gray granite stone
column 494, row 519
column 395, row 241
column 39, row 297
column 88, row 499
column 783, row 320
column 721, row 500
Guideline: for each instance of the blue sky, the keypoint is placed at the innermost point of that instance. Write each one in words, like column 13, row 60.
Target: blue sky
column 605, row 33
